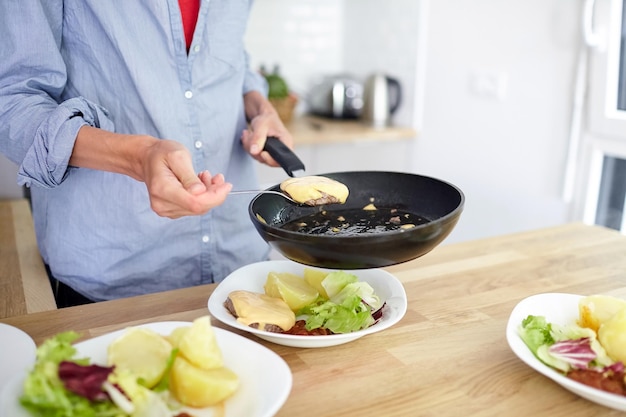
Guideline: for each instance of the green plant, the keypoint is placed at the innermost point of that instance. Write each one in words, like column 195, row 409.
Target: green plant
column 277, row 86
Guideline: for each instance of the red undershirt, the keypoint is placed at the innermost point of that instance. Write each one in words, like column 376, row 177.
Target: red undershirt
column 189, row 10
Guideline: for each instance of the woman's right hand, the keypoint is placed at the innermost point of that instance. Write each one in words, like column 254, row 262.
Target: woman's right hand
column 174, row 187
column 165, row 167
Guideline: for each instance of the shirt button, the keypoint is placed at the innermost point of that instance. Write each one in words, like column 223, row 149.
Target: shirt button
column 205, row 239
column 198, row 144
column 188, row 94
column 196, row 48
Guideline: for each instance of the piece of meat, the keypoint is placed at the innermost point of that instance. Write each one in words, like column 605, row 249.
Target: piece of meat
column 324, row 199
column 267, row 327
column 299, row 329
column 610, row 381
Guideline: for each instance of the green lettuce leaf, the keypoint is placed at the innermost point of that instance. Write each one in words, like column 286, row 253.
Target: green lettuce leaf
column 349, row 316
column 336, row 281
column 44, row 394
column 535, row 331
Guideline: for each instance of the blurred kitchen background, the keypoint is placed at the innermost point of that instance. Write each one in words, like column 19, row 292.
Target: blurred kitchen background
column 514, row 101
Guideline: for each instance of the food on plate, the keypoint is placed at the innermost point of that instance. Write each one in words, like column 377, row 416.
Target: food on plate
column 612, row 335
column 291, row 288
column 591, row 350
column 314, row 278
column 315, row 190
column 147, row 374
column 341, row 303
column 199, row 345
column 143, row 353
column 260, row 311
column 199, row 387
column 596, row 309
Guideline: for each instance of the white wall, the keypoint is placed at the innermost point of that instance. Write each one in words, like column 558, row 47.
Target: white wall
column 507, row 153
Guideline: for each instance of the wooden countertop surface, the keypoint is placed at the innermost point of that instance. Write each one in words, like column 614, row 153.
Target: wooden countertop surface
column 312, row 130
column 447, row 357
column 24, row 284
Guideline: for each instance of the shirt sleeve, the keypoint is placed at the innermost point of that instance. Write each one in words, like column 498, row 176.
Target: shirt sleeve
column 253, row 80
column 38, row 125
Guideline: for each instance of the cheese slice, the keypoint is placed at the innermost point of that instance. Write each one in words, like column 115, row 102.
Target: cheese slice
column 262, row 309
column 315, row 190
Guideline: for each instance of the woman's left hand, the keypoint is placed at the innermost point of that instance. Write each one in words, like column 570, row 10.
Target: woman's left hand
column 264, row 122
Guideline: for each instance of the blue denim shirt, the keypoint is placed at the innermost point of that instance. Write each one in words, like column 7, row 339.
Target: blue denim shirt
column 123, row 66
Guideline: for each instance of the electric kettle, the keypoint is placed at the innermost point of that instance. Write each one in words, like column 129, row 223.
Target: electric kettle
column 382, row 96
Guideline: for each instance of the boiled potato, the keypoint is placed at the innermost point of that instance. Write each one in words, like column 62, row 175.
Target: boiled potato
column 199, row 346
column 293, row 289
column 597, row 309
column 142, row 352
column 612, row 336
column 177, row 335
column 199, row 388
column 314, row 278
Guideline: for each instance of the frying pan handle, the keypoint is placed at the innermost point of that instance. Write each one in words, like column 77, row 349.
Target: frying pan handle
column 283, row 155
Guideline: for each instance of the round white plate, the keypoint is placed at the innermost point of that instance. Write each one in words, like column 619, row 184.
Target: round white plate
column 17, row 352
column 252, row 278
column 265, row 377
column 561, row 309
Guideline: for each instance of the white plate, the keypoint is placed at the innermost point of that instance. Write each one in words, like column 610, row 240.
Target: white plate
column 252, row 278
column 265, row 377
column 561, row 309
column 17, row 352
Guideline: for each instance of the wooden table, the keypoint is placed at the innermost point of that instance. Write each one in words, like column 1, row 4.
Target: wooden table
column 447, row 357
column 24, row 284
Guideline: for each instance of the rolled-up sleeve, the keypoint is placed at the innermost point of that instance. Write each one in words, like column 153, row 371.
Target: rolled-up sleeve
column 46, row 162
column 254, row 81
column 38, row 127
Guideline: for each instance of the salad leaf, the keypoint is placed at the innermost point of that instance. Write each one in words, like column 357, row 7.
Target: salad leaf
column 335, row 282
column 577, row 353
column 535, row 331
column 44, row 392
column 136, row 400
column 350, row 306
column 85, row 380
column 349, row 316
column 563, row 347
column 362, row 290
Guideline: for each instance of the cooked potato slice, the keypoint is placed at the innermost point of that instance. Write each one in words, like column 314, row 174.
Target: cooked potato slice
column 612, row 336
column 141, row 351
column 315, row 277
column 199, row 388
column 293, row 289
column 199, row 346
column 597, row 309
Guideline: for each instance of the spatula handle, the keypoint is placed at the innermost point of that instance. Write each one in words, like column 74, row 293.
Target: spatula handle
column 283, row 155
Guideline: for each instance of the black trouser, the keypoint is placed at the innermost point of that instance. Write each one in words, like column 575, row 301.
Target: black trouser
column 64, row 295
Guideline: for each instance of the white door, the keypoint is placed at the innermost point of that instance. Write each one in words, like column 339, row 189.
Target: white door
column 600, row 157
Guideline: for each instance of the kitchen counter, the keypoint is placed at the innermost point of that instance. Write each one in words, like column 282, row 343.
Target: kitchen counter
column 447, row 357
column 23, row 278
column 310, row 130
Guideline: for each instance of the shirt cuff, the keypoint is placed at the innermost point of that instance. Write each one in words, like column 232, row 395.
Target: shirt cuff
column 46, row 163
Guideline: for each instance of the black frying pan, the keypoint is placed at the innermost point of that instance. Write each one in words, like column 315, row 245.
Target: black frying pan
column 439, row 202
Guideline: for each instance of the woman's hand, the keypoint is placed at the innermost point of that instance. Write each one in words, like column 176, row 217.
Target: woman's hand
column 165, row 167
column 175, row 189
column 264, row 122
